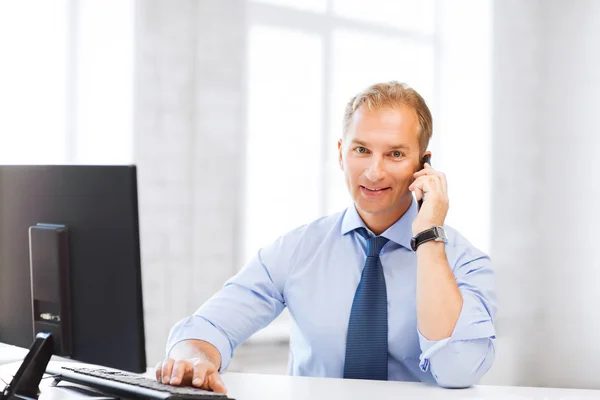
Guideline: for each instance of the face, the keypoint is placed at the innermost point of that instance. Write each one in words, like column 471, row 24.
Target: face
column 379, row 155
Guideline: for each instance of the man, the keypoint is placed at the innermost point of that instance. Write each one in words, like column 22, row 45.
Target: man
column 382, row 290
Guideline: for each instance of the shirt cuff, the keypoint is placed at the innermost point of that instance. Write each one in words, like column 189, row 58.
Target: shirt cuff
column 428, row 349
column 475, row 324
column 198, row 328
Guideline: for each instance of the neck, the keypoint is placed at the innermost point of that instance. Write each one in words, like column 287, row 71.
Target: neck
column 380, row 222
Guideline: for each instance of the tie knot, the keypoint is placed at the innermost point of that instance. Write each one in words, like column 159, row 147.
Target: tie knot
column 374, row 244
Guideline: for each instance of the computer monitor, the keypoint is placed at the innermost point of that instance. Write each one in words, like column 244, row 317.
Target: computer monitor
column 70, row 262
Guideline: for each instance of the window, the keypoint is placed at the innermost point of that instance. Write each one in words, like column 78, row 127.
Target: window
column 284, row 127
column 306, row 59
column 67, row 82
column 104, row 87
column 33, row 76
column 410, row 15
column 319, row 6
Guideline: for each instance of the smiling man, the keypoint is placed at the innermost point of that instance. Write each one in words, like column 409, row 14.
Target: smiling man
column 382, row 290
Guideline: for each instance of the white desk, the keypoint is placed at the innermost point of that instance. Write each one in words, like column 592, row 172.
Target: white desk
column 279, row 387
column 9, row 354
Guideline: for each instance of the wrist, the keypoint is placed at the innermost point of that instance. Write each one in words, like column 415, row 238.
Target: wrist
column 423, row 226
column 199, row 349
column 430, row 246
column 435, row 233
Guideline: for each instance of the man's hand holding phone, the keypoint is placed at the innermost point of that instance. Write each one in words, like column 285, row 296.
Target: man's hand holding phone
column 431, row 187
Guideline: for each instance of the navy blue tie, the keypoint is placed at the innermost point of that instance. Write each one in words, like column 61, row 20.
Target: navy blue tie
column 367, row 340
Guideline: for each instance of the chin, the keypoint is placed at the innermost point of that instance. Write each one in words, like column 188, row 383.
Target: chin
column 373, row 208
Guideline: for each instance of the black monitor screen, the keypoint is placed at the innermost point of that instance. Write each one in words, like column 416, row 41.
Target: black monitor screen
column 98, row 207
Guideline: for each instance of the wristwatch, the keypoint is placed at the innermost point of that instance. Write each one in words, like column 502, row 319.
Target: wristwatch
column 437, row 233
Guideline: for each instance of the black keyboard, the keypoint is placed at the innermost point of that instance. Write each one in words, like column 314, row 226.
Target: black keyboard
column 130, row 386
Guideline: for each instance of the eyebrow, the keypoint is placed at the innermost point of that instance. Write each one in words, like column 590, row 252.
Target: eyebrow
column 398, row 146
column 401, row 147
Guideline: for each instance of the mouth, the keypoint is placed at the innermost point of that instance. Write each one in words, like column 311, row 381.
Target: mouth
column 374, row 191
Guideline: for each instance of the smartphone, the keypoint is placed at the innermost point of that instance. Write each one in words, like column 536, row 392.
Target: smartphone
column 426, row 159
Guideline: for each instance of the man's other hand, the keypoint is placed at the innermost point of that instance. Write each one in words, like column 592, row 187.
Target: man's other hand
column 197, row 372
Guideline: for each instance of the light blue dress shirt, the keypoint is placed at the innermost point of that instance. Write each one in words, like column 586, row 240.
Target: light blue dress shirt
column 315, row 269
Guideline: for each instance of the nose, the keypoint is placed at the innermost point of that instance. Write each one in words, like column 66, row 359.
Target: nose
column 375, row 172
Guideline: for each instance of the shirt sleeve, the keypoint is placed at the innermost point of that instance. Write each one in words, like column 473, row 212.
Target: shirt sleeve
column 248, row 302
column 463, row 358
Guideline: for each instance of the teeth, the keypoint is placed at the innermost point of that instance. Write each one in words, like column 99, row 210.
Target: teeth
column 373, row 190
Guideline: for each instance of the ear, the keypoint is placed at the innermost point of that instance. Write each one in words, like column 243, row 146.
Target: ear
column 340, row 152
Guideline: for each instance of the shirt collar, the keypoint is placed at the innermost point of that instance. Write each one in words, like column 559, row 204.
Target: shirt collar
column 400, row 232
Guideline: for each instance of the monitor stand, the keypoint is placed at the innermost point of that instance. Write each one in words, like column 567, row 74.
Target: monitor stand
column 25, row 383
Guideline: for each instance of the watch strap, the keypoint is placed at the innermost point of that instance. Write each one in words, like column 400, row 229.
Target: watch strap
column 436, row 233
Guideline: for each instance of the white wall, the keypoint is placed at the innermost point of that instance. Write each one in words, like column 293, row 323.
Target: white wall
column 515, row 189
column 569, row 128
column 545, row 124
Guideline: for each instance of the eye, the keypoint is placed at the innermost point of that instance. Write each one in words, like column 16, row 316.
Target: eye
column 396, row 154
column 361, row 149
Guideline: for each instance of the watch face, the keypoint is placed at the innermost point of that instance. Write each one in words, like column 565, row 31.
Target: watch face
column 441, row 234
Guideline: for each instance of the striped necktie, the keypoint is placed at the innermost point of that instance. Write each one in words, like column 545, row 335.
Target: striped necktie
column 367, row 340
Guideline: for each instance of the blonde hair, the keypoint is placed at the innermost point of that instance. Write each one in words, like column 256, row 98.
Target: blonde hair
column 393, row 94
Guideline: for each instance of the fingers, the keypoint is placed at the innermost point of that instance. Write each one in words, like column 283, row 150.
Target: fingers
column 202, row 370
column 206, row 376
column 216, row 384
column 158, row 370
column 179, row 370
column 428, row 171
column 167, row 367
column 427, row 183
column 195, row 372
column 425, row 170
column 199, row 374
column 418, row 193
